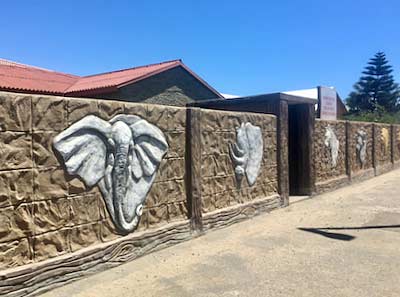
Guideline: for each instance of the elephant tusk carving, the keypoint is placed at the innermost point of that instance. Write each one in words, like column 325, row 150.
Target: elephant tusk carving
column 120, row 156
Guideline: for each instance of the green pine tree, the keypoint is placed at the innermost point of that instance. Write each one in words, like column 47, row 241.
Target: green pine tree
column 376, row 89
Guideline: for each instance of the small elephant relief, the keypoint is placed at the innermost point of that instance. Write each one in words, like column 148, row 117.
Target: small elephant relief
column 247, row 152
column 332, row 143
column 120, row 156
column 361, row 146
column 385, row 139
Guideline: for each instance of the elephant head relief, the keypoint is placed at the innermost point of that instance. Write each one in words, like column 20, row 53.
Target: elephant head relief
column 120, row 156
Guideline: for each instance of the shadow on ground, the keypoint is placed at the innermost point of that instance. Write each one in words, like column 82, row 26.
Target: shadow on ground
column 341, row 236
column 332, row 235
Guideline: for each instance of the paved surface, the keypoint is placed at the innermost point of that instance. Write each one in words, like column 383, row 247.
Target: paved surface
column 271, row 255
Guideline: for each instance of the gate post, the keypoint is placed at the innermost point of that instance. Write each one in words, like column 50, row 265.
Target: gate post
column 283, row 152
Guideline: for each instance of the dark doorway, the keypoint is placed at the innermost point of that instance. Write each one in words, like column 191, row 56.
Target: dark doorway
column 300, row 181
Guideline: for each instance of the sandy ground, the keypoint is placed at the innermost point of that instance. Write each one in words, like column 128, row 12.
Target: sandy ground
column 284, row 253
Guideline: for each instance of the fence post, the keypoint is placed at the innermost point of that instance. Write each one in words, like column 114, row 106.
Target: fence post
column 348, row 150
column 193, row 167
column 374, row 142
column 283, row 151
column 392, row 137
column 310, row 117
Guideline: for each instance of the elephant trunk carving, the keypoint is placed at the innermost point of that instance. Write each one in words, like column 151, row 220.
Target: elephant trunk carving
column 121, row 156
column 121, row 135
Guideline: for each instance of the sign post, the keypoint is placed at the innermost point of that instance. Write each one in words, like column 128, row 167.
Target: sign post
column 327, row 103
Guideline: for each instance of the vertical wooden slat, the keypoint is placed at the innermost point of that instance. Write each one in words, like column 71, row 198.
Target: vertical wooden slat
column 392, row 140
column 193, row 167
column 348, row 149
column 310, row 118
column 283, row 157
column 374, row 143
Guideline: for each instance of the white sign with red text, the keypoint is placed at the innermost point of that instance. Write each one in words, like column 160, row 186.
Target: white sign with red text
column 327, row 101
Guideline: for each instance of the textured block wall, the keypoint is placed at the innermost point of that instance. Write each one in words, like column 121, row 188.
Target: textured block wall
column 218, row 184
column 45, row 213
column 324, row 170
column 396, row 142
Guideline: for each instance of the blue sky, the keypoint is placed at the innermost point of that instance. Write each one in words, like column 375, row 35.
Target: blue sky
column 244, row 48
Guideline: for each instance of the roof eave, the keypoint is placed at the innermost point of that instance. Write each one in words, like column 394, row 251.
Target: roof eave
column 29, row 91
column 91, row 92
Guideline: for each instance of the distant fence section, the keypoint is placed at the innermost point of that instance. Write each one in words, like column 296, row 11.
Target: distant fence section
column 347, row 151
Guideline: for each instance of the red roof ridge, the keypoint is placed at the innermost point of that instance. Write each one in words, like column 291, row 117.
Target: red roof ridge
column 179, row 61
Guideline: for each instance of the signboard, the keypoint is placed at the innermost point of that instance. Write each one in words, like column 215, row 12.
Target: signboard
column 327, row 103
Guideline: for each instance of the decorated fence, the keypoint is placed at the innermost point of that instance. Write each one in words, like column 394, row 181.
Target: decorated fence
column 347, row 151
column 90, row 184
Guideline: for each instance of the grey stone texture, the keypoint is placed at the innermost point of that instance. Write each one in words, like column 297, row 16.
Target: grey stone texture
column 172, row 87
column 219, row 187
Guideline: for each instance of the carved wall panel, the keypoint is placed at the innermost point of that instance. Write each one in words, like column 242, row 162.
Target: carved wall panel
column 120, row 156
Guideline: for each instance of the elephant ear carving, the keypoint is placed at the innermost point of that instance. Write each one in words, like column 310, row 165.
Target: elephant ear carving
column 83, row 147
column 150, row 145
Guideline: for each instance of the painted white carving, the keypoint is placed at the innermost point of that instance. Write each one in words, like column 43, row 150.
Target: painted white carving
column 247, row 152
column 120, row 156
column 332, row 143
column 361, row 146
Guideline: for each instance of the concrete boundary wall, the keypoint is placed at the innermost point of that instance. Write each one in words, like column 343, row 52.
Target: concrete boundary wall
column 381, row 154
column 54, row 229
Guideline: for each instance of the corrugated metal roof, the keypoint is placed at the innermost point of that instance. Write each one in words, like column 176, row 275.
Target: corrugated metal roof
column 16, row 76
column 25, row 78
column 120, row 77
column 307, row 93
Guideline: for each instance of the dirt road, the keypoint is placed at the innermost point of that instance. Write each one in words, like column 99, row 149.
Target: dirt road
column 344, row 243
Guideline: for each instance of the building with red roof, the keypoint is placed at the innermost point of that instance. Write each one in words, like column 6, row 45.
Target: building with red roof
column 170, row 83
